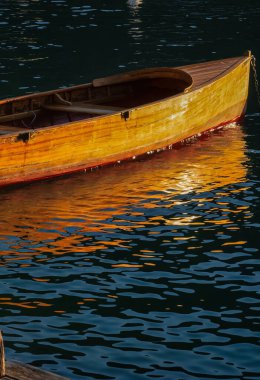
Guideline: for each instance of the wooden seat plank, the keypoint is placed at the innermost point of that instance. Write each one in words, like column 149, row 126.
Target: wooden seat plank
column 5, row 129
column 81, row 107
column 19, row 116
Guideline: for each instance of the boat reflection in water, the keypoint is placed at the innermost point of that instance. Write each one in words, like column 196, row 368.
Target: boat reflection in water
column 58, row 213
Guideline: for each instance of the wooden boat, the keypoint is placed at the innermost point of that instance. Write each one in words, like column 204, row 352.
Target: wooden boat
column 18, row 371
column 117, row 117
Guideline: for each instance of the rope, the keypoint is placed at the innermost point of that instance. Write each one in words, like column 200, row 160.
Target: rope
column 31, row 122
column 257, row 88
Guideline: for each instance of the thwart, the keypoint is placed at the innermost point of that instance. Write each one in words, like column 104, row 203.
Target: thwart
column 118, row 117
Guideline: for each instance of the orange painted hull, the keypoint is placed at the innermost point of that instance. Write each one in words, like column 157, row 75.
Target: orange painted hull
column 218, row 96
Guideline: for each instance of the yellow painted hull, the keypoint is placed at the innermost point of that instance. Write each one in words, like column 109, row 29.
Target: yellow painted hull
column 218, row 96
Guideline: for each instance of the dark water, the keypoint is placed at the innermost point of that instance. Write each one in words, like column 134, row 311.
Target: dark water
column 149, row 269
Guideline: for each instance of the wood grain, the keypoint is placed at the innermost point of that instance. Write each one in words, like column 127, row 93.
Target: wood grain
column 19, row 371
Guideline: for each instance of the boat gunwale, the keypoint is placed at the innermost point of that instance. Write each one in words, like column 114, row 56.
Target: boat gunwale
column 225, row 72
column 89, row 84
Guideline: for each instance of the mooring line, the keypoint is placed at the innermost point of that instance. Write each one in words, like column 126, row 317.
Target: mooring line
column 257, row 88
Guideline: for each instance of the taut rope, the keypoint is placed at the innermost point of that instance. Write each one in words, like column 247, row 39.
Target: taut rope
column 257, row 88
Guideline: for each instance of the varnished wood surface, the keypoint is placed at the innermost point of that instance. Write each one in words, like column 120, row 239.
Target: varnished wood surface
column 2, row 356
column 84, row 108
column 19, row 371
column 165, row 72
column 207, row 71
column 218, row 95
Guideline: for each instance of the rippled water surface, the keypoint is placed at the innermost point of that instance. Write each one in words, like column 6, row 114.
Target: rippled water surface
column 149, row 269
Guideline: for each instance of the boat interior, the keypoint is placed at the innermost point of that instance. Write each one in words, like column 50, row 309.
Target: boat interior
column 104, row 96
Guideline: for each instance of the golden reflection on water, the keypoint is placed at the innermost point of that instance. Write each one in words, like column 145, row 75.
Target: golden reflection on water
column 45, row 220
column 53, row 216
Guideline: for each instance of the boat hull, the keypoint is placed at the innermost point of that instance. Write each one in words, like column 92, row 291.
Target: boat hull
column 87, row 143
